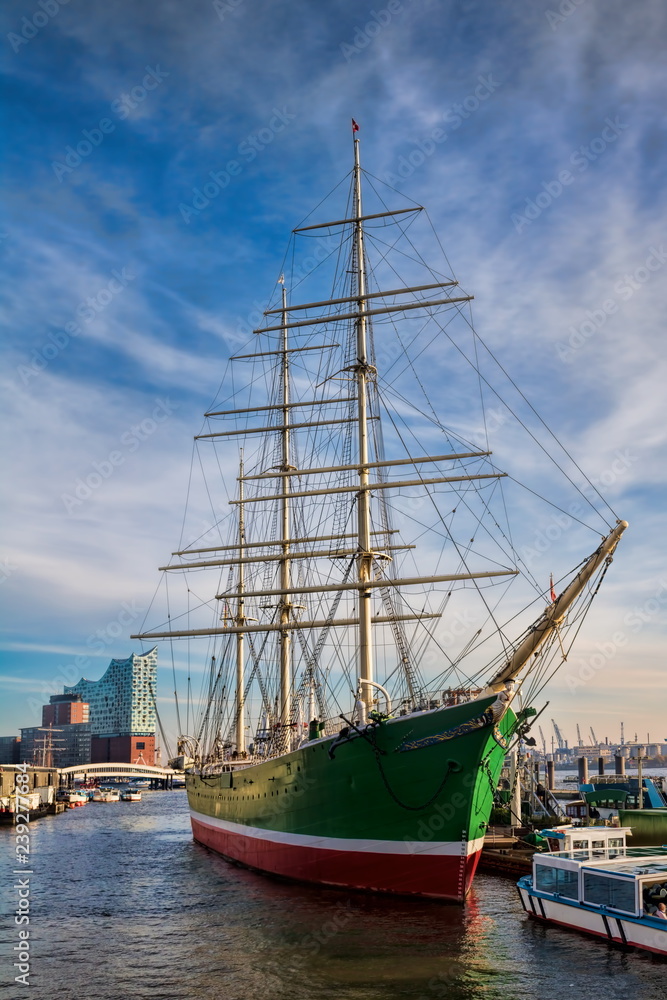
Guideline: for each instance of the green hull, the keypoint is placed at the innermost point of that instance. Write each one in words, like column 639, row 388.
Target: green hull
column 649, row 826
column 375, row 816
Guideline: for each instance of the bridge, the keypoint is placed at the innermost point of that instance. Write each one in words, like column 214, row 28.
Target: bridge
column 118, row 770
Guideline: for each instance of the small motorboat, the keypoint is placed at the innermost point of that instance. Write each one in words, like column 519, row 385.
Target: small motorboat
column 75, row 799
column 105, row 795
column 602, row 887
column 130, row 795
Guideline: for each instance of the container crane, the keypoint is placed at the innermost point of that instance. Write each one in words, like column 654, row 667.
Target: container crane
column 580, row 741
column 595, row 739
column 544, row 742
column 562, row 744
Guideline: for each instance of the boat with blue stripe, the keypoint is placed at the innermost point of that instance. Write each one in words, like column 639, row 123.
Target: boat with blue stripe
column 602, row 887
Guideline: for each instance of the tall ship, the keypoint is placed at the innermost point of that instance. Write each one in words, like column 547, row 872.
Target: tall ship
column 368, row 655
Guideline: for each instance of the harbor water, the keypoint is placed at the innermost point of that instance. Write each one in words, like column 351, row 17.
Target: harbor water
column 125, row 906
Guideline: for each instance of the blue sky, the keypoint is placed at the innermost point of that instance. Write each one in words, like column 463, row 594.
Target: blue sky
column 534, row 133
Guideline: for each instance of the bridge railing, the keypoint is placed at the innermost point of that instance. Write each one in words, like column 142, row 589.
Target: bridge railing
column 118, row 769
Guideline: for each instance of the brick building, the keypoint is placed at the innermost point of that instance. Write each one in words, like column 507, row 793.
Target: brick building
column 65, row 709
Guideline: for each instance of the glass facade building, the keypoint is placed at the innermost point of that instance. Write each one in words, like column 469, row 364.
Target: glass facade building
column 122, row 701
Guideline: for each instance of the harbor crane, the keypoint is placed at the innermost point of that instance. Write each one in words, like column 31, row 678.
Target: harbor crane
column 581, row 742
column 595, row 739
column 562, row 744
column 544, row 742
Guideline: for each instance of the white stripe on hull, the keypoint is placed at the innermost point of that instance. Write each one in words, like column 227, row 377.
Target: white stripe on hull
column 636, row 933
column 408, row 847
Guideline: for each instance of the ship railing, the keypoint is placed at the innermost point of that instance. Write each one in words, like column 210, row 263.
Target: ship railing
column 444, row 699
column 332, row 726
column 224, row 766
column 608, row 853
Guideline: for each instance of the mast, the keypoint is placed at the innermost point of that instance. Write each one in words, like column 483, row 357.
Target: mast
column 363, row 373
column 556, row 611
column 240, row 621
column 281, row 549
column 285, row 568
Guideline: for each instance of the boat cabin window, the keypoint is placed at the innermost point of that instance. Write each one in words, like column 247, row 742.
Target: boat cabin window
column 559, row 880
column 601, row 890
column 579, row 845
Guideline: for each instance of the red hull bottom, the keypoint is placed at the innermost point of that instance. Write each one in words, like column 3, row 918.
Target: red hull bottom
column 436, row 876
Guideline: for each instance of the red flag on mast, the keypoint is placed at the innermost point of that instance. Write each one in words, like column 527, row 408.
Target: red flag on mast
column 355, row 127
column 551, row 585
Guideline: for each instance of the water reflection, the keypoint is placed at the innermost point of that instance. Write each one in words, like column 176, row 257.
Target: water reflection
column 127, row 906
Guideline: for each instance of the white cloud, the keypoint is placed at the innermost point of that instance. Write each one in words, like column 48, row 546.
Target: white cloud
column 166, row 331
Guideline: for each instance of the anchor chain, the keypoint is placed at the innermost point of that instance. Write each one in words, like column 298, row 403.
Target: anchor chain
column 453, row 767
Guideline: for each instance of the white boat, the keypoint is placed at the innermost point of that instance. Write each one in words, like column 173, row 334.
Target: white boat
column 75, row 799
column 601, row 887
column 28, row 805
column 129, row 795
column 105, row 795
